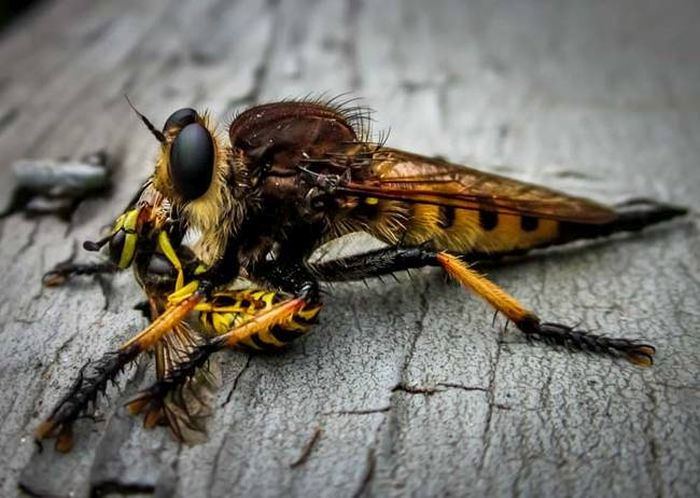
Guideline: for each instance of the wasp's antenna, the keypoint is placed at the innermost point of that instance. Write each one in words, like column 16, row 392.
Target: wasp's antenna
column 156, row 133
column 94, row 246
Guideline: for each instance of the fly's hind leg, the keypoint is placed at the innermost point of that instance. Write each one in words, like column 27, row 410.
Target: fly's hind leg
column 390, row 260
column 528, row 322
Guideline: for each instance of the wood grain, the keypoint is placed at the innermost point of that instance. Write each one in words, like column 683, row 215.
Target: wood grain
column 412, row 388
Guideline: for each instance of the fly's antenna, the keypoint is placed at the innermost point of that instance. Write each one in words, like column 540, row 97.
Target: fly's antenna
column 156, row 133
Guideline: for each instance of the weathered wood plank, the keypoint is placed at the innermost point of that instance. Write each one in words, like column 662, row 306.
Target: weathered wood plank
column 412, row 388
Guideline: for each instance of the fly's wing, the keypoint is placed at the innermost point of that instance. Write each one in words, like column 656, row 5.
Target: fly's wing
column 402, row 176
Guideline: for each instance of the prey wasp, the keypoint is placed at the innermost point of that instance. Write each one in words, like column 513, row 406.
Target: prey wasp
column 292, row 177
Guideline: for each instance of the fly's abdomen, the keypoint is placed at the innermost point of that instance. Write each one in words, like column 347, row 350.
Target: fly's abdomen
column 465, row 231
column 461, row 230
column 451, row 229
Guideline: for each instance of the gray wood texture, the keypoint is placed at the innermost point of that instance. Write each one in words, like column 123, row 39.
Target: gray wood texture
column 405, row 388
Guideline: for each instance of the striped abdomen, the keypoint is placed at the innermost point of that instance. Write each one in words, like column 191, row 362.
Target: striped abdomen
column 229, row 309
column 448, row 228
column 467, row 231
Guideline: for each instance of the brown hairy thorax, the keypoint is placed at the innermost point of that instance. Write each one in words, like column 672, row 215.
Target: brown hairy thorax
column 268, row 141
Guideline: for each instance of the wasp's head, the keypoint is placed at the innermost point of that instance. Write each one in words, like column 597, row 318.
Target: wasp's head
column 133, row 230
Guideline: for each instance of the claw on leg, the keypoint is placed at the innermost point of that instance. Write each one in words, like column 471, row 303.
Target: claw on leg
column 638, row 353
column 151, row 400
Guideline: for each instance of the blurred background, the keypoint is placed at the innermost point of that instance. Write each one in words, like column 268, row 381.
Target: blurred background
column 598, row 98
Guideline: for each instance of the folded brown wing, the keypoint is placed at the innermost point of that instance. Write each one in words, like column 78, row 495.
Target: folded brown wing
column 398, row 175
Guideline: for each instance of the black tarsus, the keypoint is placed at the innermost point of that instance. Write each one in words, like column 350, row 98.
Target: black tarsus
column 579, row 340
column 394, row 259
column 92, row 380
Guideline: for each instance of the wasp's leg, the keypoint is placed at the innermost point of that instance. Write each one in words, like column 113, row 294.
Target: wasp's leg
column 390, row 260
column 63, row 271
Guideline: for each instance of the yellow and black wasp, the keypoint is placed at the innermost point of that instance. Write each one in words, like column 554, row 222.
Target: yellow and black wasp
column 291, row 177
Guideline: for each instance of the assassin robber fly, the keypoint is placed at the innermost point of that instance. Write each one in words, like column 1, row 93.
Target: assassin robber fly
column 292, row 177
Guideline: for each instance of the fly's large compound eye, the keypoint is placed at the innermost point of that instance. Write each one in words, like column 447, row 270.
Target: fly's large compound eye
column 192, row 161
column 180, row 119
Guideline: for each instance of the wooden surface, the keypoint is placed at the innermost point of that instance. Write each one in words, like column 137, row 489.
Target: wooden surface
column 405, row 388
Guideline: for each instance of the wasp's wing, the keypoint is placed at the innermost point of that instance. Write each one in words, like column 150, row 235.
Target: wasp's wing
column 185, row 409
column 189, row 407
column 398, row 175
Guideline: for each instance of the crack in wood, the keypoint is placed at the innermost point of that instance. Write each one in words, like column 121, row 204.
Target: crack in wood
column 307, row 449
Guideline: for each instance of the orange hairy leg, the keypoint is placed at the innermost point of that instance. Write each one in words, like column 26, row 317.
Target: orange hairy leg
column 164, row 323
column 94, row 376
column 280, row 314
column 395, row 259
column 640, row 354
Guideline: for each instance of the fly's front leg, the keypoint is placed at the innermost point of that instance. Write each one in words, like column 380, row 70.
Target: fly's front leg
column 272, row 321
column 281, row 315
column 390, row 260
column 95, row 375
column 91, row 381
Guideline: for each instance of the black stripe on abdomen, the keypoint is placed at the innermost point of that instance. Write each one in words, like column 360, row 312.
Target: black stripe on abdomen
column 488, row 219
column 529, row 223
column 447, row 217
column 286, row 335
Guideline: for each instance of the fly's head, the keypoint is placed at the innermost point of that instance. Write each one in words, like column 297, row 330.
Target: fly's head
column 194, row 171
column 190, row 155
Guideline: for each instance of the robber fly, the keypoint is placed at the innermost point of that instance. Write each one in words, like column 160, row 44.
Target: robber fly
column 293, row 176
